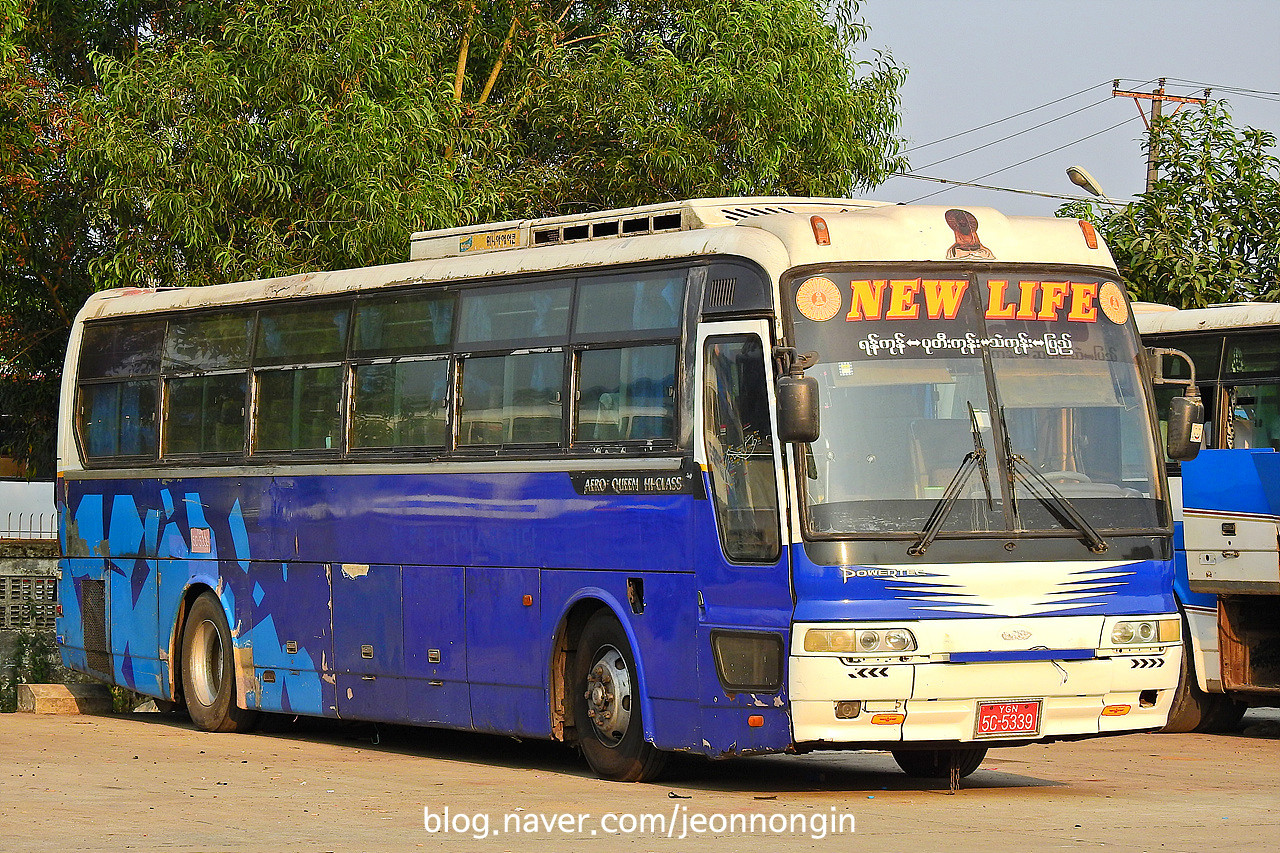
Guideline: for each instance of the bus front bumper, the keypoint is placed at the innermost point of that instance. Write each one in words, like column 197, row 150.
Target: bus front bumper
column 849, row 701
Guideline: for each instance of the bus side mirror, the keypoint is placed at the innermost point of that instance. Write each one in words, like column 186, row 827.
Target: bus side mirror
column 1186, row 428
column 798, row 409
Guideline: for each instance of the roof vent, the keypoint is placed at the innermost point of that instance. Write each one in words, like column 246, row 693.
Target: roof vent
column 720, row 292
column 733, row 214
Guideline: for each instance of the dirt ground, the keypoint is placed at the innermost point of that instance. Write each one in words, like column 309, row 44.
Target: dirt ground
column 151, row 782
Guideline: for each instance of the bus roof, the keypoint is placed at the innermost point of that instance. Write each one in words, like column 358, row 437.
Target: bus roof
column 1162, row 319
column 858, row 230
column 777, row 232
column 688, row 215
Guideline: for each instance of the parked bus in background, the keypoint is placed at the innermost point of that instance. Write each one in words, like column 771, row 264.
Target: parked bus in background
column 1227, row 505
column 724, row 476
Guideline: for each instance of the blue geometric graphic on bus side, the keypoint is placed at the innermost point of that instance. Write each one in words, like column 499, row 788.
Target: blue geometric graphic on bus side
column 299, row 685
column 239, row 535
column 452, row 522
column 90, row 525
column 126, row 669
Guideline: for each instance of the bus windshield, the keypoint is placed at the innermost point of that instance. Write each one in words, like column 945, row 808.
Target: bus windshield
column 989, row 384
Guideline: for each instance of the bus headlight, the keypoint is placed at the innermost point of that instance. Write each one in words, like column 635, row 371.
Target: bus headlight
column 1146, row 632
column 865, row 640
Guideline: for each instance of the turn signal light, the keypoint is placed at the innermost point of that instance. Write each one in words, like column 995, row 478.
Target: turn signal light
column 888, row 719
column 1115, row 710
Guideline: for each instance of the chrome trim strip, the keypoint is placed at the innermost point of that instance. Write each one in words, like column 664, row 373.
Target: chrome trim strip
column 344, row 468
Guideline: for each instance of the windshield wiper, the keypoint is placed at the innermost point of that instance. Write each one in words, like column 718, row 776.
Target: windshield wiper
column 976, row 458
column 1021, row 469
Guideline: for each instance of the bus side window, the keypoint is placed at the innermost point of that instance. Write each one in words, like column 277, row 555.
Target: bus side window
column 118, row 373
column 1254, row 416
column 626, row 394
column 739, row 440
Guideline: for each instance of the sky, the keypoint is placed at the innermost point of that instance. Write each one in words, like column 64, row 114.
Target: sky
column 972, row 62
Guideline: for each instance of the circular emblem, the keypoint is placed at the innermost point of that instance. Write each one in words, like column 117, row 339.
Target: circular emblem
column 1113, row 304
column 818, row 299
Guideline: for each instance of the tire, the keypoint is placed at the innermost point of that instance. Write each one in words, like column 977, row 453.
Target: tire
column 936, row 763
column 1193, row 710
column 208, row 671
column 1224, row 714
column 607, row 715
column 1189, row 702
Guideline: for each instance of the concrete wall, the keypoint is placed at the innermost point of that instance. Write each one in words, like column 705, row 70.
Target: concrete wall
column 28, row 588
column 28, row 584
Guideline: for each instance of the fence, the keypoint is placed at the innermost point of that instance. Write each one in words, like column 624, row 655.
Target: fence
column 30, row 525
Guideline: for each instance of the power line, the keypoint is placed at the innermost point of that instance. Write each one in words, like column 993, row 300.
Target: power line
column 1029, row 159
column 1004, row 189
column 1002, row 120
column 1236, row 90
column 1015, row 135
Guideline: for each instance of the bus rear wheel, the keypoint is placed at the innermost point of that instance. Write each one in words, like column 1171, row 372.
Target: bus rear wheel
column 936, row 763
column 607, row 712
column 208, row 671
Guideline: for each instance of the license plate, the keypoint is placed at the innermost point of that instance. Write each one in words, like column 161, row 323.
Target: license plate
column 1001, row 719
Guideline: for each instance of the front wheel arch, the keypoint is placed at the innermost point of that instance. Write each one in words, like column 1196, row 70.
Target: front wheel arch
column 577, row 613
column 612, row 715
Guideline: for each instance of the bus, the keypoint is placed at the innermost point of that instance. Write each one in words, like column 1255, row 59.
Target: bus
column 1227, row 506
column 721, row 476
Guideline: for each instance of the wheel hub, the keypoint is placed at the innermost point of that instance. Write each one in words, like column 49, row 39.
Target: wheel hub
column 609, row 696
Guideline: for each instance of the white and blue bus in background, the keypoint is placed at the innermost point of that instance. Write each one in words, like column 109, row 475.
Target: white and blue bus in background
column 1227, row 506
column 725, row 477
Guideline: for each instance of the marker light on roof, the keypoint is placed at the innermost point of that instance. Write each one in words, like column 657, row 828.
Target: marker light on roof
column 1090, row 235
column 820, row 234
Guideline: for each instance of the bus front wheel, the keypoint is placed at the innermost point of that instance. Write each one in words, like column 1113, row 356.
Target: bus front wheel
column 1193, row 710
column 607, row 711
column 936, row 763
column 208, row 671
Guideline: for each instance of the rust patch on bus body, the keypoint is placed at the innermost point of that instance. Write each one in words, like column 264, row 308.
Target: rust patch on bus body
column 242, row 658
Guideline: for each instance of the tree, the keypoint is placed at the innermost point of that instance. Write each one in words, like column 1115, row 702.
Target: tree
column 1209, row 229
column 45, row 242
column 321, row 133
column 147, row 142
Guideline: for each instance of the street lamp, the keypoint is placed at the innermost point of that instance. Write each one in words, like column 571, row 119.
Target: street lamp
column 1086, row 182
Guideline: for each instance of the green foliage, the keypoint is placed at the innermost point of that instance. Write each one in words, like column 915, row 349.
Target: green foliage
column 322, row 133
column 45, row 243
column 30, row 658
column 148, row 142
column 1209, row 230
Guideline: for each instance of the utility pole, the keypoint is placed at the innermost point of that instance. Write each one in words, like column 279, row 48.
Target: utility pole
column 1157, row 99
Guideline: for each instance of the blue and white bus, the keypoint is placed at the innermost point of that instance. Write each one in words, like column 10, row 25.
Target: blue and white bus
column 1226, row 507
column 725, row 476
